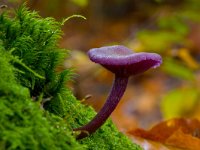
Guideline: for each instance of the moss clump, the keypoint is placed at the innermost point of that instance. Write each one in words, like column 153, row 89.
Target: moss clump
column 23, row 124
column 29, row 55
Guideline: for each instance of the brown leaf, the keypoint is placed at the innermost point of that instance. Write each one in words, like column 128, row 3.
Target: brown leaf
column 182, row 140
column 179, row 132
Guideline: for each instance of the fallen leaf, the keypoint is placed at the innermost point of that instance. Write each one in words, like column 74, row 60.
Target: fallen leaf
column 152, row 145
column 179, row 132
column 182, row 140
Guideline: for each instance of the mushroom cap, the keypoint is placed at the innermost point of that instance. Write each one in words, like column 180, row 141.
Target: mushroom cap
column 123, row 61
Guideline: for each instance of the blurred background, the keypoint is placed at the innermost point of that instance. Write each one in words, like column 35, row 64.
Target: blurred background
column 170, row 28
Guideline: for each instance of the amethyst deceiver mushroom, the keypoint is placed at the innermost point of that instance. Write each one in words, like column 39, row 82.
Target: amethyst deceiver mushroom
column 123, row 62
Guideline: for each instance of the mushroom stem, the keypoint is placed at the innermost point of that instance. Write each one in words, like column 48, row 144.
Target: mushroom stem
column 113, row 99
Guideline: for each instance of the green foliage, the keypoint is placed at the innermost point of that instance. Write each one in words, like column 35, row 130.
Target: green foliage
column 169, row 32
column 171, row 27
column 81, row 3
column 160, row 41
column 179, row 102
column 29, row 56
column 176, row 69
column 173, row 23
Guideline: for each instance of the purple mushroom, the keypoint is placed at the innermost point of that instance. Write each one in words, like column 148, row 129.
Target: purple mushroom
column 123, row 62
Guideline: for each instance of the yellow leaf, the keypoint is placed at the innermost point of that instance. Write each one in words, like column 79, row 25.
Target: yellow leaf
column 185, row 56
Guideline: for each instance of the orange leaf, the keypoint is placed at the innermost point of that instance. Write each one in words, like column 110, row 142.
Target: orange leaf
column 179, row 132
column 182, row 140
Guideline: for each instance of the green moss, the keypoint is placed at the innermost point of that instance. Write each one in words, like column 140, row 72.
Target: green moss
column 107, row 137
column 29, row 55
column 23, row 124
